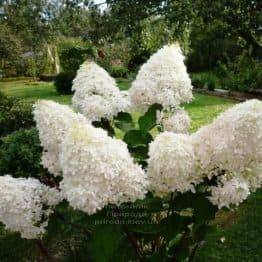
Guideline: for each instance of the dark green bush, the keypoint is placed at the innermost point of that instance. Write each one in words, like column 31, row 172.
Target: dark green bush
column 243, row 74
column 63, row 82
column 211, row 44
column 47, row 78
column 210, row 84
column 119, row 71
column 14, row 114
column 73, row 52
column 20, row 154
column 197, row 82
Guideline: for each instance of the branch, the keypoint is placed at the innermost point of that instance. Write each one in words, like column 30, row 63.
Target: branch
column 133, row 241
column 44, row 251
column 179, row 244
column 131, row 238
column 193, row 253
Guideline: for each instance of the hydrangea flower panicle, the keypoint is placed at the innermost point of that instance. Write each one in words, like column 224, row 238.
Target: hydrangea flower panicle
column 96, row 93
column 163, row 79
column 171, row 164
column 52, row 122
column 25, row 205
column 98, row 170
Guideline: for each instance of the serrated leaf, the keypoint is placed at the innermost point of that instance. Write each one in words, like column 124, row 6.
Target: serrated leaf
column 136, row 137
column 124, row 121
column 139, row 152
column 148, row 120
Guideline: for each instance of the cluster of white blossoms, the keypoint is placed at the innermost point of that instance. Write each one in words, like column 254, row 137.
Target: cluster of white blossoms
column 25, row 205
column 229, row 191
column 178, row 122
column 98, row 170
column 171, row 164
column 232, row 144
column 163, row 79
column 96, row 93
column 53, row 121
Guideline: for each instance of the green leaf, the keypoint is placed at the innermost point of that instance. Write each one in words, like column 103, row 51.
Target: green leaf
column 139, row 152
column 104, row 242
column 137, row 137
column 204, row 210
column 105, row 124
column 124, row 121
column 148, row 120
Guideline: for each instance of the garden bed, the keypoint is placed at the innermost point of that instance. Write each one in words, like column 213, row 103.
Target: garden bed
column 239, row 96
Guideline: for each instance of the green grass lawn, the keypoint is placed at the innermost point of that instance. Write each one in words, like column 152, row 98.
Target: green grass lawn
column 201, row 110
column 31, row 90
column 243, row 230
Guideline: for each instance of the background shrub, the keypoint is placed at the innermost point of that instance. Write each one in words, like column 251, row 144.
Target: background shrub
column 210, row 84
column 14, row 114
column 243, row 74
column 20, row 154
column 206, row 80
column 119, row 71
column 47, row 78
column 73, row 52
column 64, row 82
column 197, row 82
column 210, row 44
column 115, row 54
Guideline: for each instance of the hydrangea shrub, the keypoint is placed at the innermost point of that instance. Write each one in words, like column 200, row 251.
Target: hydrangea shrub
column 152, row 194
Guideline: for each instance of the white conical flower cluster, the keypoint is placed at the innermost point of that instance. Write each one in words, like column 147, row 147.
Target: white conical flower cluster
column 98, row 170
column 163, row 79
column 96, row 93
column 171, row 164
column 232, row 144
column 25, row 205
column 53, row 121
column 177, row 121
column 229, row 192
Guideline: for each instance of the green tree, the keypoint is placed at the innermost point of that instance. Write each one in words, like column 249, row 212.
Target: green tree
column 10, row 48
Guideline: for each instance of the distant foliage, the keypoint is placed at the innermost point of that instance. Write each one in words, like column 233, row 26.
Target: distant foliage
column 20, row 154
column 112, row 56
column 14, row 114
column 243, row 74
column 209, row 45
column 210, row 84
column 73, row 52
column 207, row 80
column 119, row 71
column 64, row 82
column 197, row 82
column 10, row 50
